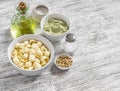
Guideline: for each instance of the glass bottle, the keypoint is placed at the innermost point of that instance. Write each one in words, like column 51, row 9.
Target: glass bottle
column 70, row 44
column 21, row 23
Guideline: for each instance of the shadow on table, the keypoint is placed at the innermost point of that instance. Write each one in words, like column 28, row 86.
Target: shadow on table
column 55, row 71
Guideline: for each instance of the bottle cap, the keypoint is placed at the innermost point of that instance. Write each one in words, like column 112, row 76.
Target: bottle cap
column 70, row 37
column 22, row 7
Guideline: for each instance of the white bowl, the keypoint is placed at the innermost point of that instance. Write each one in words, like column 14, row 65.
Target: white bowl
column 37, row 15
column 46, row 42
column 63, row 68
column 50, row 36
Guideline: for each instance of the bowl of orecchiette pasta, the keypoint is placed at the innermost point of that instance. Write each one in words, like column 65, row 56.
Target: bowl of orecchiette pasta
column 30, row 54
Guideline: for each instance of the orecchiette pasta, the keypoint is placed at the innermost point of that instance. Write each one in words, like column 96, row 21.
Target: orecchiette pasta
column 32, row 51
column 44, row 58
column 30, row 55
column 32, row 41
column 25, row 55
column 43, row 62
column 32, row 58
column 39, row 44
column 20, row 64
column 43, row 48
column 26, row 50
column 21, row 45
column 37, row 60
column 39, row 53
column 15, row 60
column 26, row 43
column 36, row 65
column 14, row 52
column 30, row 68
column 47, row 53
column 29, row 46
column 23, row 60
column 35, row 46
column 28, row 64
column 22, row 51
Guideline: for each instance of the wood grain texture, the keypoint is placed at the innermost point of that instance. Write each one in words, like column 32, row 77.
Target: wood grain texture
column 96, row 23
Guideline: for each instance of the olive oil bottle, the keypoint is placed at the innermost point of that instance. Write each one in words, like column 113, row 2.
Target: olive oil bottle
column 21, row 23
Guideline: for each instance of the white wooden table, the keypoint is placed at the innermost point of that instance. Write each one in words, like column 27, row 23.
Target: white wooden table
column 96, row 23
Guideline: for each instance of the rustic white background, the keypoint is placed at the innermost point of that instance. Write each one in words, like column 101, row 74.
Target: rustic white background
column 96, row 23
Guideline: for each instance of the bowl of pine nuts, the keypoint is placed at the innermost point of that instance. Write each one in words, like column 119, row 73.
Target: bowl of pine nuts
column 30, row 54
column 63, row 61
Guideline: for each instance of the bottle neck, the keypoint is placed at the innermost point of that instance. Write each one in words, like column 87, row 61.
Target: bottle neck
column 22, row 12
column 22, row 8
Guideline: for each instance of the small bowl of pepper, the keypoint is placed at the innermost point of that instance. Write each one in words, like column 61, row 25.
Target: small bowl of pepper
column 64, row 61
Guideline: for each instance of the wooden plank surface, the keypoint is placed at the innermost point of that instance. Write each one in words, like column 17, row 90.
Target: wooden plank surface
column 96, row 23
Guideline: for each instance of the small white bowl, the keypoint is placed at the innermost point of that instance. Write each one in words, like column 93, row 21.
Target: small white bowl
column 46, row 42
column 63, row 68
column 37, row 15
column 51, row 37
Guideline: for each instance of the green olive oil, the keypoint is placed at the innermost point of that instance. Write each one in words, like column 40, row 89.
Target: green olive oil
column 21, row 23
